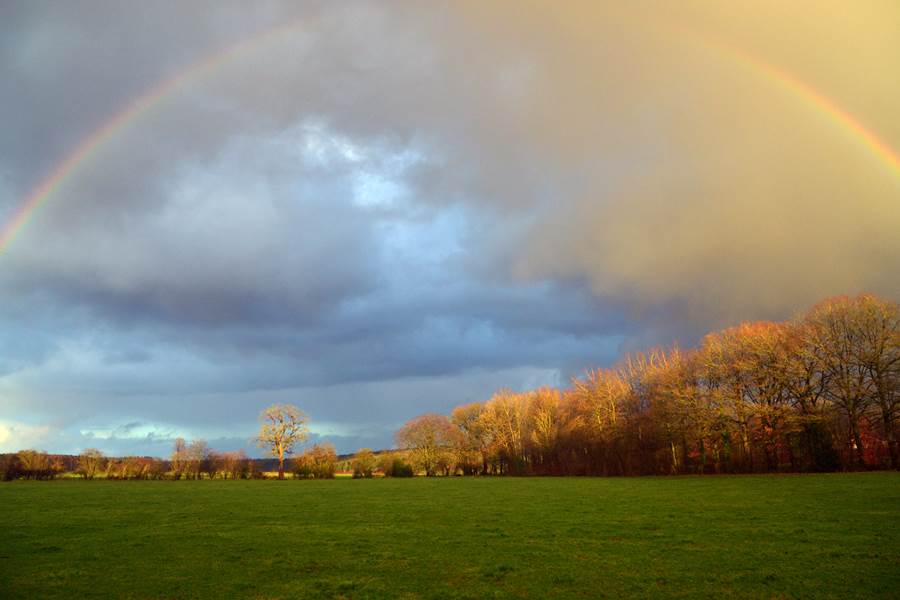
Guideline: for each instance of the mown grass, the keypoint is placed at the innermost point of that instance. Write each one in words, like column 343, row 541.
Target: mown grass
column 829, row 536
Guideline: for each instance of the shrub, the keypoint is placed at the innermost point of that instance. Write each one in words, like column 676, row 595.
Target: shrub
column 364, row 464
column 397, row 467
column 36, row 464
column 317, row 462
column 10, row 467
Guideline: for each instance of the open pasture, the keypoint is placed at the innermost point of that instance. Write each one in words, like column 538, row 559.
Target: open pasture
column 829, row 536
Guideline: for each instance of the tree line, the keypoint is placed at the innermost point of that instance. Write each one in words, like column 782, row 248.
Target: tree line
column 818, row 393
column 282, row 428
column 189, row 461
column 195, row 460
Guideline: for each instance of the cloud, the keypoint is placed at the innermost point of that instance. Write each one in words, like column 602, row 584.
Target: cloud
column 18, row 436
column 350, row 415
column 706, row 187
column 390, row 198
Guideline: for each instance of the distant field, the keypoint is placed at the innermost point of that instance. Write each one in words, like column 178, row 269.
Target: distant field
column 830, row 536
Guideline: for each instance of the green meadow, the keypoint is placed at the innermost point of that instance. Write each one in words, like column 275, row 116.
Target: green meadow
column 808, row 536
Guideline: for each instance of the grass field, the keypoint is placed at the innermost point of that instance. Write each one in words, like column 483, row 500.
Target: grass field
column 765, row 536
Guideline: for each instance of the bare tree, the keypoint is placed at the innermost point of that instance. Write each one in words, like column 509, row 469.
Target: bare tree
column 198, row 458
column 879, row 355
column 281, row 427
column 91, row 462
column 180, row 458
column 838, row 332
column 545, row 422
column 36, row 464
column 506, row 424
column 427, row 437
column 475, row 438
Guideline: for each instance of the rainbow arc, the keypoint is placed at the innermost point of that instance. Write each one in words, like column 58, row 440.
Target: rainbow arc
column 88, row 147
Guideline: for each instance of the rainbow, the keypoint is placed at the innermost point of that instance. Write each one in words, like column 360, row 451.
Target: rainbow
column 132, row 112
column 826, row 106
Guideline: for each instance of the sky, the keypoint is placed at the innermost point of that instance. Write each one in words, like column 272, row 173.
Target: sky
column 374, row 210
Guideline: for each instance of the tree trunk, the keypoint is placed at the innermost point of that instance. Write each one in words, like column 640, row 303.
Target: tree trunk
column 857, row 441
column 702, row 456
column 810, row 446
column 281, row 466
column 889, row 438
column 674, row 458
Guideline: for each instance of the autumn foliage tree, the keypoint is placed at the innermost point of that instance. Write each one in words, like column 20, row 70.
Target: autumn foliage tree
column 429, row 438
